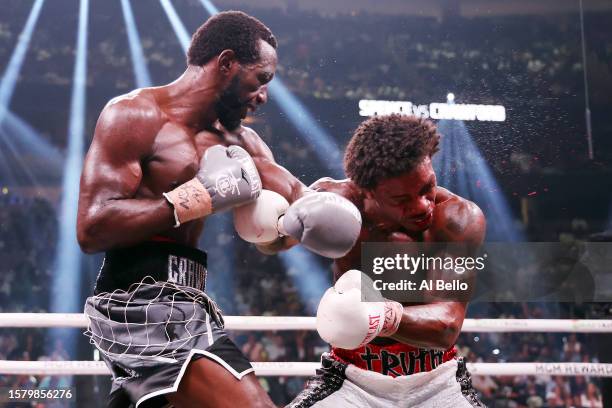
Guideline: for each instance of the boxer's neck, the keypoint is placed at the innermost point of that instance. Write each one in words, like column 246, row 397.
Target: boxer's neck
column 190, row 99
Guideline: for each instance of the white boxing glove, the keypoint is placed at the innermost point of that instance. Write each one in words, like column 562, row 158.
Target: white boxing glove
column 257, row 221
column 344, row 321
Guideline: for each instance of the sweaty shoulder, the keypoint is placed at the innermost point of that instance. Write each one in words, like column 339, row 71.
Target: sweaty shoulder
column 129, row 123
column 254, row 144
column 346, row 188
column 457, row 219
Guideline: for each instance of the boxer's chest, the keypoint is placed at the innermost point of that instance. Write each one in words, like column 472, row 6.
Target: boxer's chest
column 373, row 233
column 176, row 157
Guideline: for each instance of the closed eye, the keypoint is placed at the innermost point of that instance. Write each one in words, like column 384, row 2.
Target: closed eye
column 265, row 78
column 427, row 188
column 401, row 199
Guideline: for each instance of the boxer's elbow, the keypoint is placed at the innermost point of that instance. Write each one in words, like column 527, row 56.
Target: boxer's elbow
column 449, row 332
column 450, row 317
column 86, row 240
column 89, row 234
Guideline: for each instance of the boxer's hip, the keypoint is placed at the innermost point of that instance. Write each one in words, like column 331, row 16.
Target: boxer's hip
column 392, row 358
column 149, row 334
column 153, row 322
column 150, row 317
column 339, row 385
column 149, row 303
column 440, row 387
column 159, row 260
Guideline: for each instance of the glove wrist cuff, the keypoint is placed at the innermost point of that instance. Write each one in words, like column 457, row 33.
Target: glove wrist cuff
column 282, row 232
column 190, row 201
column 393, row 318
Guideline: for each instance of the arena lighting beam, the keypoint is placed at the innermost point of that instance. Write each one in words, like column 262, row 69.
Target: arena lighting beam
column 65, row 295
column 7, row 176
column 9, row 82
column 24, row 142
column 26, row 135
column 310, row 280
column 9, row 145
column 211, row 8
column 219, row 240
column 141, row 73
column 11, row 73
column 461, row 168
column 325, row 146
column 177, row 25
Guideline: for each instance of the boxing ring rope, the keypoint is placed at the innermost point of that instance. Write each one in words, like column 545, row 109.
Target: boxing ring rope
column 11, row 367
column 78, row 320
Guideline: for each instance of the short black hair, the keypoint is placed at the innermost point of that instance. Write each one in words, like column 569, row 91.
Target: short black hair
column 229, row 30
column 387, row 146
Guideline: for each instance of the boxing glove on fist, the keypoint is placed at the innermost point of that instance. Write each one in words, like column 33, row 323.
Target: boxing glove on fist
column 257, row 221
column 325, row 223
column 344, row 321
column 227, row 178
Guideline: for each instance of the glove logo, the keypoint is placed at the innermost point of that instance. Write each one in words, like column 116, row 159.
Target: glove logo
column 226, row 184
column 250, row 174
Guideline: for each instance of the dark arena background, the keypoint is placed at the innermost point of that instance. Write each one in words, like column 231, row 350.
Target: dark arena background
column 536, row 157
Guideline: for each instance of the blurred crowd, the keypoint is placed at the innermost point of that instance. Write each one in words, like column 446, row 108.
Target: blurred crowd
column 28, row 237
column 532, row 391
column 530, row 64
column 324, row 56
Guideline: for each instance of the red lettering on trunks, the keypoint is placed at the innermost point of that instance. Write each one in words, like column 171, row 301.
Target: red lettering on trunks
column 395, row 359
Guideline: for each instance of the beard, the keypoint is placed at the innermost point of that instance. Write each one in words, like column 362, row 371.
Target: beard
column 229, row 106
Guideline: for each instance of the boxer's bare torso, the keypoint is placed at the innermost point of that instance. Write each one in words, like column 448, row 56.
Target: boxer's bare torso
column 142, row 148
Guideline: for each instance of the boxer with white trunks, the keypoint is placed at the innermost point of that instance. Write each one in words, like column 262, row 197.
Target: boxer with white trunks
column 409, row 358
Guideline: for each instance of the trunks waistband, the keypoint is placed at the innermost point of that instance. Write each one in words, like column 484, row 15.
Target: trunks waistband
column 161, row 260
column 396, row 359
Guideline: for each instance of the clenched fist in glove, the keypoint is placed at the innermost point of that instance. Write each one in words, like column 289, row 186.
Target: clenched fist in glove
column 325, row 223
column 227, row 178
column 257, row 222
column 345, row 321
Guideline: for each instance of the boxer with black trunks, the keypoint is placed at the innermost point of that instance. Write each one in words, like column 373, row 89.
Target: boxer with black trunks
column 409, row 359
column 162, row 159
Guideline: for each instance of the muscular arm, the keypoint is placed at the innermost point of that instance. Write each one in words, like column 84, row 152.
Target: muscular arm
column 109, row 215
column 340, row 187
column 437, row 325
column 276, row 178
column 434, row 325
